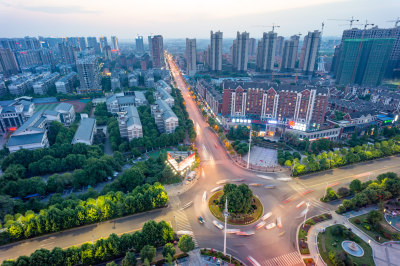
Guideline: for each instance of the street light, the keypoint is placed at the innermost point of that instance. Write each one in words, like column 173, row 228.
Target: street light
column 248, row 155
column 226, row 217
column 305, row 215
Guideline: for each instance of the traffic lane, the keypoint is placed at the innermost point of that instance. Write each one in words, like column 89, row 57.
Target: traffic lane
column 343, row 175
column 80, row 235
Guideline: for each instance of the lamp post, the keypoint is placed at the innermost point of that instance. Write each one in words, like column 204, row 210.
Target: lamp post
column 305, row 215
column 226, row 217
column 248, row 155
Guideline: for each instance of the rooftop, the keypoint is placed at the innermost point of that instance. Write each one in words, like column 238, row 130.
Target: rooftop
column 85, row 130
column 18, row 140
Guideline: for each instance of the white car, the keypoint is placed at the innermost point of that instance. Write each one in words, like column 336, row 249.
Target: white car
column 218, row 224
column 270, row 226
column 216, row 189
column 266, row 216
column 232, row 231
column 270, row 186
column 255, row 185
column 279, row 222
column 245, row 233
column 223, row 181
column 260, row 224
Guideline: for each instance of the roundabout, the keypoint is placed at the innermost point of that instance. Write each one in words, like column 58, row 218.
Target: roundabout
column 214, row 204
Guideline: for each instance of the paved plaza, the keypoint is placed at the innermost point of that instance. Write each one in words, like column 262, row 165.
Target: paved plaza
column 262, row 157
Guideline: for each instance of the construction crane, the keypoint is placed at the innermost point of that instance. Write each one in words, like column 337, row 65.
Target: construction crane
column 268, row 26
column 396, row 22
column 349, row 20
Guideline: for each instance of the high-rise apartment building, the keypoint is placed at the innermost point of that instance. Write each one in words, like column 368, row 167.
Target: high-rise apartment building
column 373, row 33
column 280, row 41
column 252, row 46
column 215, row 51
column 114, row 43
column 139, row 44
column 190, row 57
column 89, row 76
column 309, row 52
column 364, row 61
column 8, row 62
column 67, row 53
column 82, row 43
column 92, row 43
column 149, row 42
column 157, row 51
column 103, row 42
column 266, row 52
column 289, row 54
column 240, row 52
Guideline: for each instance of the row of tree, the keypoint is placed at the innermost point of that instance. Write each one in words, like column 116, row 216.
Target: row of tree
column 344, row 156
column 286, row 158
column 385, row 187
column 72, row 213
column 238, row 133
column 241, row 148
column 152, row 235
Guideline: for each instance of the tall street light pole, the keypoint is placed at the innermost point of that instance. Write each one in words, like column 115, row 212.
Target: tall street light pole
column 226, row 217
column 248, row 155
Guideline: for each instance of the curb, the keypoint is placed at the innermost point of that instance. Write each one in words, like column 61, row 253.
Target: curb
column 222, row 252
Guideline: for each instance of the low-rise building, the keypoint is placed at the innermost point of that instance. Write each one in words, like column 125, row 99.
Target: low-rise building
column 115, row 83
column 3, row 89
column 85, row 132
column 118, row 102
column 164, row 117
column 66, row 84
column 14, row 113
column 210, row 95
column 140, row 98
column 33, row 133
column 162, row 94
column 67, row 113
column 162, row 84
column 129, row 123
column 42, row 86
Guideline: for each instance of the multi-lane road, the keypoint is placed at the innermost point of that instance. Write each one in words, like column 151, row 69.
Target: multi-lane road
column 268, row 247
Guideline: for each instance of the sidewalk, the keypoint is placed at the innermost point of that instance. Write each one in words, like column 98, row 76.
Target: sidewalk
column 383, row 255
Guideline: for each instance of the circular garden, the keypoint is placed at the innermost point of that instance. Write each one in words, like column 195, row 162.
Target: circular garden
column 243, row 207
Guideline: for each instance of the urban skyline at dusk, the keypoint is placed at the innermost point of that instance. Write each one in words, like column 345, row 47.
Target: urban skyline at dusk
column 180, row 19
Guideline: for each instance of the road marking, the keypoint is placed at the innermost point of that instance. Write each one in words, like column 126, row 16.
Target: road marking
column 289, row 259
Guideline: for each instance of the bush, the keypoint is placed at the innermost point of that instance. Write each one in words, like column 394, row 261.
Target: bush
column 357, row 221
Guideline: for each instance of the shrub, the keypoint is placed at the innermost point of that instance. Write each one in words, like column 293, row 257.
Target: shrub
column 366, row 226
column 357, row 221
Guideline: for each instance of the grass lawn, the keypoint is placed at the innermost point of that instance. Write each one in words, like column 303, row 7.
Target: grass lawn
column 372, row 233
column 251, row 218
column 155, row 154
column 42, row 107
column 325, row 241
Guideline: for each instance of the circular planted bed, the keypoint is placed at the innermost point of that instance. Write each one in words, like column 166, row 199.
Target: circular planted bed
column 235, row 218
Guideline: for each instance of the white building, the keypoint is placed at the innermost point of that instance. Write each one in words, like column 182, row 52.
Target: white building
column 129, row 123
column 42, row 86
column 66, row 84
column 140, row 98
column 118, row 102
column 67, row 113
column 164, row 117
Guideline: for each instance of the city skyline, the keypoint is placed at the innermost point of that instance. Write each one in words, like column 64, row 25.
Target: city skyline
column 116, row 18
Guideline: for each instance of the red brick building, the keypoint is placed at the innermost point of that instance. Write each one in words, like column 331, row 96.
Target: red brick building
column 283, row 103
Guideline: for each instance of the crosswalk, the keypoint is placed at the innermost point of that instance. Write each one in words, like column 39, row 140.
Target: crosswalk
column 290, row 259
column 181, row 222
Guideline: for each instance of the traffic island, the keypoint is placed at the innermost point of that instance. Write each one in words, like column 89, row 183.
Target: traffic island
column 255, row 213
column 304, row 228
column 331, row 250
column 211, row 255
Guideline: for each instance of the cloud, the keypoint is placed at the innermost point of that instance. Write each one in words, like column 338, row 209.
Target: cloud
column 65, row 9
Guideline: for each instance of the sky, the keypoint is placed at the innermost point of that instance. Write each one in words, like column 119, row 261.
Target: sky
column 187, row 18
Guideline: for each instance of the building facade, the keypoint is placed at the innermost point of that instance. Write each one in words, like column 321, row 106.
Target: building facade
column 309, row 52
column 129, row 123
column 157, row 51
column 266, row 52
column 190, row 57
column 89, row 75
column 281, row 104
column 65, row 84
column 289, row 54
column 215, row 51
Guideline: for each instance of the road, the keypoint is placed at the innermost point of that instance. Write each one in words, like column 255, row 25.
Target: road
column 268, row 247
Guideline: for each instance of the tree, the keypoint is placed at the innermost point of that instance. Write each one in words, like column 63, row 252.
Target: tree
column 343, row 192
column 355, row 186
column 130, row 259
column 374, row 217
column 186, row 243
column 168, row 250
column 147, row 252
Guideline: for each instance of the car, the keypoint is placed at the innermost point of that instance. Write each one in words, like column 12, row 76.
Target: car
column 216, row 189
column 245, row 233
column 260, row 224
column 201, row 220
column 232, row 231
column 270, row 226
column 266, row 216
column 270, row 186
column 223, row 181
column 218, row 224
column 255, row 185
column 279, row 222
